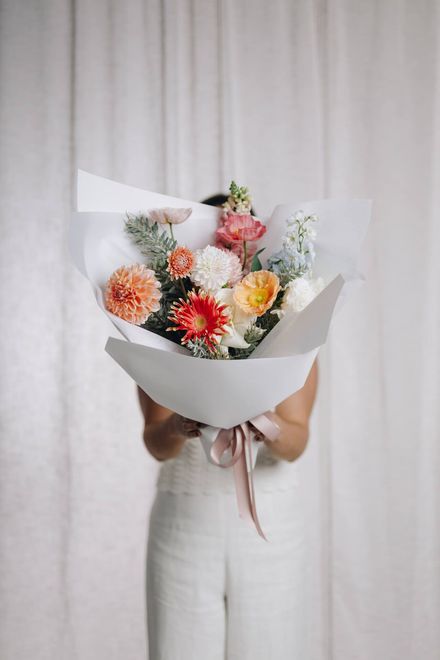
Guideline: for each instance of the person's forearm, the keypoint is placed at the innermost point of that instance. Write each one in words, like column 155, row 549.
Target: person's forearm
column 292, row 440
column 162, row 439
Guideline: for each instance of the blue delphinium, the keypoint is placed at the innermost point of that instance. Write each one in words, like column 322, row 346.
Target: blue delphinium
column 296, row 257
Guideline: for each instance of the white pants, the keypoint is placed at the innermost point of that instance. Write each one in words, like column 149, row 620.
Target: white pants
column 215, row 589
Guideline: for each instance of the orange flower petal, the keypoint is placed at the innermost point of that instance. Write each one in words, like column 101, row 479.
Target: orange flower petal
column 133, row 293
column 256, row 292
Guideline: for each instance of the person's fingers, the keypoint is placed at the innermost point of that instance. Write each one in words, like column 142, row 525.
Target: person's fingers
column 190, row 427
column 191, row 423
column 258, row 435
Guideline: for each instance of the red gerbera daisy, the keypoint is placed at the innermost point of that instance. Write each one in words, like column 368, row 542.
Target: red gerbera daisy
column 201, row 316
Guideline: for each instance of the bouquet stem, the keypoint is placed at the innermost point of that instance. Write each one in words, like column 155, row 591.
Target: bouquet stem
column 244, row 254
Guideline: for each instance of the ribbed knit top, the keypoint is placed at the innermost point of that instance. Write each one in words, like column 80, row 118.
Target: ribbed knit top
column 191, row 472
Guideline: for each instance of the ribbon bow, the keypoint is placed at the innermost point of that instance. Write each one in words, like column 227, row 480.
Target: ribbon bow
column 238, row 440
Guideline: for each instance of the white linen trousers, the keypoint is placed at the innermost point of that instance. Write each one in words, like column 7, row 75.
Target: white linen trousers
column 215, row 589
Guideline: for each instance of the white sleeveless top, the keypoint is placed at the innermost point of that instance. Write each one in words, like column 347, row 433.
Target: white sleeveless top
column 191, row 472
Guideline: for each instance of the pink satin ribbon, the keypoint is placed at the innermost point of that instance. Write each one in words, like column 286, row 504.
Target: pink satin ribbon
column 238, row 440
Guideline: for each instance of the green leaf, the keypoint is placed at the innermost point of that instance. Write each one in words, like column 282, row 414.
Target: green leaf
column 256, row 263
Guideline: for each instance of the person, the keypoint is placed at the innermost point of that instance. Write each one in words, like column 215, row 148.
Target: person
column 215, row 589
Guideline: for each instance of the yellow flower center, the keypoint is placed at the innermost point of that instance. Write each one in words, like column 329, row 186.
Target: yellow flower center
column 199, row 322
column 258, row 297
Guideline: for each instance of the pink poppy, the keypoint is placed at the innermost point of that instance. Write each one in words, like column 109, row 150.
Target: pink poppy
column 239, row 227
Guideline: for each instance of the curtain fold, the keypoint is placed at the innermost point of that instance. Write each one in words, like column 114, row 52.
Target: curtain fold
column 298, row 100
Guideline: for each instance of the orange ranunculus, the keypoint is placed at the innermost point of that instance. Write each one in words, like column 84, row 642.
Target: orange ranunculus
column 180, row 262
column 256, row 292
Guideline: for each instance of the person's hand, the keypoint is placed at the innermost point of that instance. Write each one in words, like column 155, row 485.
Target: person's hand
column 189, row 428
column 258, row 436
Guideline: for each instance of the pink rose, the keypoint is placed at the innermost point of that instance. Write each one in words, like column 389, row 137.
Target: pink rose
column 237, row 228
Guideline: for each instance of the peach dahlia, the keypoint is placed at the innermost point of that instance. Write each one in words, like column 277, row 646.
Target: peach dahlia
column 133, row 293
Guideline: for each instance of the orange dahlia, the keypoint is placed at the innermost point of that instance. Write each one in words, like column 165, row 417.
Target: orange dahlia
column 133, row 293
column 256, row 292
column 201, row 316
column 180, row 262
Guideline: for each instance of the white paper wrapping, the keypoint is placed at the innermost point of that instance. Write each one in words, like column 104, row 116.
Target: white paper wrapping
column 221, row 393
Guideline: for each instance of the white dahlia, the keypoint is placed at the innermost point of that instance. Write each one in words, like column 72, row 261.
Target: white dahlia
column 235, row 269
column 214, row 268
column 300, row 292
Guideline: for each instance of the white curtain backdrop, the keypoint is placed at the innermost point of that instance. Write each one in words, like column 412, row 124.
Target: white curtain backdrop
column 298, row 99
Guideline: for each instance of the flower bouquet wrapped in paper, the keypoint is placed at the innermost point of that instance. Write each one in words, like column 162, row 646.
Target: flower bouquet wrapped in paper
column 222, row 313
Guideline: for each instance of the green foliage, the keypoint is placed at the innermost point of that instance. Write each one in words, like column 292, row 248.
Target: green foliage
column 269, row 321
column 199, row 349
column 158, row 323
column 256, row 263
column 253, row 336
column 153, row 242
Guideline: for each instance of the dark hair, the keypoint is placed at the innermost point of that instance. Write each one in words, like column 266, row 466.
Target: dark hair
column 219, row 199
column 215, row 200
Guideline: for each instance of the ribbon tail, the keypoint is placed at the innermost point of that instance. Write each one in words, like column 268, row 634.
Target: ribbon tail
column 244, row 484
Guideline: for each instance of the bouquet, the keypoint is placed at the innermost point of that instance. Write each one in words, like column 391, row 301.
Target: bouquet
column 234, row 305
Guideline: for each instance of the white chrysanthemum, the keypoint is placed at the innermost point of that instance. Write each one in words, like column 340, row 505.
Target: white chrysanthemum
column 214, row 268
column 300, row 292
column 235, row 269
